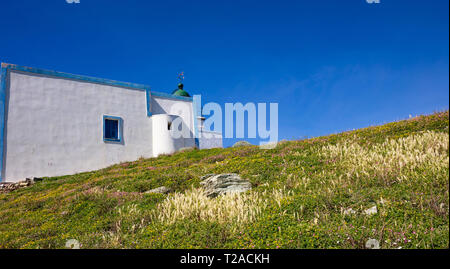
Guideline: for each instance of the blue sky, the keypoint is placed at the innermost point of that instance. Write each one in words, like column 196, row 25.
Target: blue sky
column 331, row 65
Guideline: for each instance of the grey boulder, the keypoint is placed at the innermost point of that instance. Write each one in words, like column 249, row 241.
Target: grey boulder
column 216, row 185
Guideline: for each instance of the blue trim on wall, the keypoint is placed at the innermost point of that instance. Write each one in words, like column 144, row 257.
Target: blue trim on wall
column 77, row 77
column 3, row 76
column 103, row 81
column 197, row 106
column 120, row 127
column 148, row 96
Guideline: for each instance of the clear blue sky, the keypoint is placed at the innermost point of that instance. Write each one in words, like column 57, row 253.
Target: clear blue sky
column 331, row 65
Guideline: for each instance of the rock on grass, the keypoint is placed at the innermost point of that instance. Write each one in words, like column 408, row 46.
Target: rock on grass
column 216, row 185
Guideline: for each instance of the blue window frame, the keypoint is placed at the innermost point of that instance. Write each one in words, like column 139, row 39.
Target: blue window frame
column 112, row 129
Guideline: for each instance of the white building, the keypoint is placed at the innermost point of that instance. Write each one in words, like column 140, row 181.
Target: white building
column 53, row 123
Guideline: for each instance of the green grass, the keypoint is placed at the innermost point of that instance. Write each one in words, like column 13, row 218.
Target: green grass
column 408, row 181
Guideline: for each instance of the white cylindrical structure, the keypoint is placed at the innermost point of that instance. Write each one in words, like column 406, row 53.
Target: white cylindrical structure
column 163, row 141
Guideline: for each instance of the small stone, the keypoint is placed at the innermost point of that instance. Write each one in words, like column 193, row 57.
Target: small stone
column 371, row 211
column 241, row 144
column 349, row 211
column 163, row 190
column 270, row 145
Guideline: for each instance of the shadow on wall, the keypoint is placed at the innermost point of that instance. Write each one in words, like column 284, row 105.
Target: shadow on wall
column 157, row 109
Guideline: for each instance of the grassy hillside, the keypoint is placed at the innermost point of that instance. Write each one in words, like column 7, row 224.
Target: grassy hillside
column 303, row 194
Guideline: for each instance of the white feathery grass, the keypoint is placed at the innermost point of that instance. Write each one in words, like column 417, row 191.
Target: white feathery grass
column 229, row 208
column 401, row 156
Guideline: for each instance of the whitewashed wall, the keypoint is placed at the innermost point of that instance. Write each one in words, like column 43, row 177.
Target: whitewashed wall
column 55, row 126
column 209, row 139
column 163, row 141
column 183, row 109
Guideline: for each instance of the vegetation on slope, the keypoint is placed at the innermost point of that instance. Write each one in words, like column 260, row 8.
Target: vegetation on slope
column 304, row 193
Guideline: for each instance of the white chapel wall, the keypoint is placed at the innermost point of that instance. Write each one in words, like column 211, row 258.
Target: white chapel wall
column 166, row 106
column 55, row 126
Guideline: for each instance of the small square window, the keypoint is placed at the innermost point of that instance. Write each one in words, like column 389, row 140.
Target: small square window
column 112, row 129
